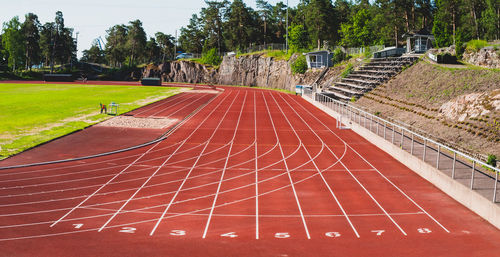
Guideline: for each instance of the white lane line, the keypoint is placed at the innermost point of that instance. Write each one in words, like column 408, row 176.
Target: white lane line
column 170, row 99
column 192, row 168
column 139, row 189
column 225, row 167
column 288, row 171
column 150, row 177
column 256, row 168
column 400, row 190
column 104, row 185
column 188, row 213
column 180, row 109
column 361, row 185
column 315, row 166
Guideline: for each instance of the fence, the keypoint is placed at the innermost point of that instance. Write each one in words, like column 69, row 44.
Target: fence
column 360, row 50
column 469, row 171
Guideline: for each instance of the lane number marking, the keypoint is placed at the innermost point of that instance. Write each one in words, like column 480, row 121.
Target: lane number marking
column 178, row 233
column 424, row 230
column 230, row 235
column 128, row 230
column 379, row 232
column 332, row 234
column 282, row 235
column 77, row 226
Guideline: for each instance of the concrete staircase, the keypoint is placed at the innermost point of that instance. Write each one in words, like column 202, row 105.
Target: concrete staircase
column 368, row 76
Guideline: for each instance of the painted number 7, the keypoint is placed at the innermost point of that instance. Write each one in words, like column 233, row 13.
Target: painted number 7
column 379, row 232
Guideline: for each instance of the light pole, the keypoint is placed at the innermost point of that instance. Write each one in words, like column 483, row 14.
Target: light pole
column 286, row 26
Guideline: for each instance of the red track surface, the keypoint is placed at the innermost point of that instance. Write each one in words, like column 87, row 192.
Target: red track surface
column 254, row 173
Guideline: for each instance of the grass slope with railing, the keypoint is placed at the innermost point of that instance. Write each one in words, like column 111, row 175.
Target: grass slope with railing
column 36, row 113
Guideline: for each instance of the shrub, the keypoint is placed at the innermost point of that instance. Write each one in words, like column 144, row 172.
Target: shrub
column 492, row 160
column 211, row 57
column 299, row 65
column 476, row 45
column 348, row 69
column 338, row 56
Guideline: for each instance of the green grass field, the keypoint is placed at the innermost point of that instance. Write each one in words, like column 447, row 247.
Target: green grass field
column 35, row 113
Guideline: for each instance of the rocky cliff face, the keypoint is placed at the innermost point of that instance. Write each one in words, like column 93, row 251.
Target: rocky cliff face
column 251, row 70
column 487, row 57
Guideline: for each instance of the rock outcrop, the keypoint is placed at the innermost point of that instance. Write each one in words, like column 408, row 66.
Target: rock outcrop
column 471, row 105
column 487, row 57
column 250, row 70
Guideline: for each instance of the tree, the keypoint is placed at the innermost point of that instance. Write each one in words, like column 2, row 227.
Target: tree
column 446, row 22
column 94, row 54
column 321, row 22
column 31, row 31
column 115, row 49
column 166, row 44
column 240, row 29
column 298, row 38
column 46, row 42
column 13, row 42
column 212, row 18
column 265, row 10
column 136, row 41
column 192, row 38
column 359, row 31
column 3, row 56
column 490, row 20
column 152, row 51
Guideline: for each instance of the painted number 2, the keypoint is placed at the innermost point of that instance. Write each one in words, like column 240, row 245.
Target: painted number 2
column 128, row 230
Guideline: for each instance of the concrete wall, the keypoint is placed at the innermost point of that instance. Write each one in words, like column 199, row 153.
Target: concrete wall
column 464, row 195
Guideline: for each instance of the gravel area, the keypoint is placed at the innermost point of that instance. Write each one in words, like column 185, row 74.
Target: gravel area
column 133, row 122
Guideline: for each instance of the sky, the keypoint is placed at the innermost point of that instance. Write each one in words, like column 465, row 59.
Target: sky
column 91, row 18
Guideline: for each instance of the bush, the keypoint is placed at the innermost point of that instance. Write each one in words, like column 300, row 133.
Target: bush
column 299, row 65
column 338, row 56
column 211, row 57
column 476, row 45
column 348, row 69
column 492, row 160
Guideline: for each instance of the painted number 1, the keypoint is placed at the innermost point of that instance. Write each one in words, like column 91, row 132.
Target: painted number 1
column 379, row 232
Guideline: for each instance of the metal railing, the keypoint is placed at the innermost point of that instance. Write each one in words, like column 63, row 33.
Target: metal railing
column 476, row 174
column 360, row 50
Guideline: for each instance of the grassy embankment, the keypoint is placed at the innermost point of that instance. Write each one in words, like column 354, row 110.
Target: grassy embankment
column 35, row 113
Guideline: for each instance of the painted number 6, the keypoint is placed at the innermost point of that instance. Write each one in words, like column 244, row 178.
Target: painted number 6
column 282, row 235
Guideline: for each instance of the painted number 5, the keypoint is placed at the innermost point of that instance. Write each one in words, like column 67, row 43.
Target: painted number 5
column 178, row 233
column 424, row 230
column 128, row 230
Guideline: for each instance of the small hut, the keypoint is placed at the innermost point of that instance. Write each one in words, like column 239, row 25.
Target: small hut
column 418, row 41
column 319, row 59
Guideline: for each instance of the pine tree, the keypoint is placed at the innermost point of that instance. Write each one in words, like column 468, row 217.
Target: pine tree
column 30, row 29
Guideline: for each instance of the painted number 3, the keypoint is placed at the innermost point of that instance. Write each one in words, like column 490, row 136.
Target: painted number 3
column 282, row 235
column 424, row 230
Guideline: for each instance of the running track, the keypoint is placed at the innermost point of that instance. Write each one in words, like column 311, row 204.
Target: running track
column 253, row 173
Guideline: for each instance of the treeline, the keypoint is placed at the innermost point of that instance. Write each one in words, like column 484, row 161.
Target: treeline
column 228, row 26
column 129, row 45
column 23, row 45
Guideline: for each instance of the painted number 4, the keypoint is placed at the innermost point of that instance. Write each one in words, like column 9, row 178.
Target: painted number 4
column 178, row 233
column 230, row 235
